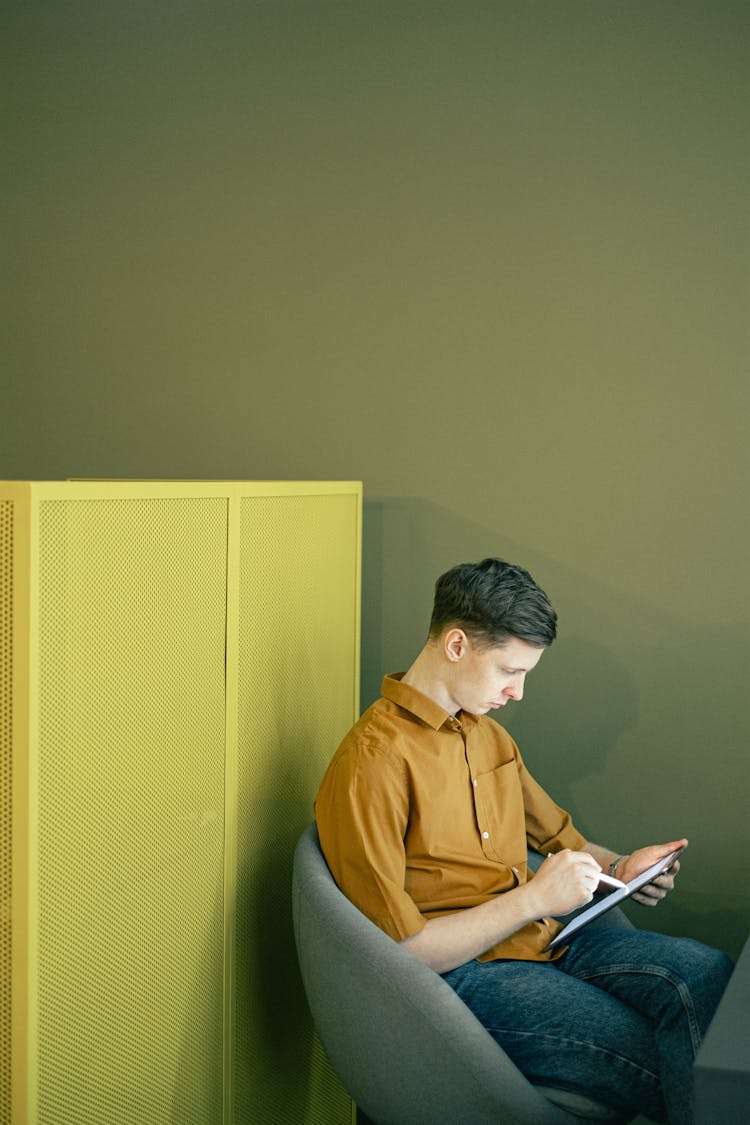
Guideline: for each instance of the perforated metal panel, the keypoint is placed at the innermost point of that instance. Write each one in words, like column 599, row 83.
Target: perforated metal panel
column 6, row 801
column 297, row 697
column 130, row 811
column 185, row 660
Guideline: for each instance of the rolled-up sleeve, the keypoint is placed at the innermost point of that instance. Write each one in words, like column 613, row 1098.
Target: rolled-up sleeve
column 548, row 827
column 362, row 812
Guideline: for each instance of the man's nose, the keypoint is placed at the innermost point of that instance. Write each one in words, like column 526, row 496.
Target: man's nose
column 514, row 690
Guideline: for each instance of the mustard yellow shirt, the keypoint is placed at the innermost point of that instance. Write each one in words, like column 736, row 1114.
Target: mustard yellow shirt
column 422, row 814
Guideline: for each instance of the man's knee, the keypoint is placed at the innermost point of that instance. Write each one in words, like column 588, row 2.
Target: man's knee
column 703, row 962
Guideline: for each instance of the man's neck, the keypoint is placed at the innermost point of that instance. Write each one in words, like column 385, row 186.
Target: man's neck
column 426, row 675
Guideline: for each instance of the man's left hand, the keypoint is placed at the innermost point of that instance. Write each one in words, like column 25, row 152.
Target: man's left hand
column 638, row 861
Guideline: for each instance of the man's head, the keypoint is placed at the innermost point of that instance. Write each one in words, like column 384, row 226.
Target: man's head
column 493, row 602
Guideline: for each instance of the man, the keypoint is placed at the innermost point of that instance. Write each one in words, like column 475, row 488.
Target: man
column 425, row 814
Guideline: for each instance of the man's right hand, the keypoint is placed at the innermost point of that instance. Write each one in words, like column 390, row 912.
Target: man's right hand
column 564, row 882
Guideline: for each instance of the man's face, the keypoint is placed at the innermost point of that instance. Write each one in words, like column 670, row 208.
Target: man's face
column 486, row 678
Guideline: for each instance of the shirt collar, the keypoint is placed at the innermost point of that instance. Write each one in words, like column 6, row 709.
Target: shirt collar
column 419, row 704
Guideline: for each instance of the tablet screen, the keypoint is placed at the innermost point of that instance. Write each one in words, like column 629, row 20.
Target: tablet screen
column 602, row 905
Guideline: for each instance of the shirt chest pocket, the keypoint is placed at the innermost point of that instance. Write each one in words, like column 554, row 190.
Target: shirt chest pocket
column 501, row 817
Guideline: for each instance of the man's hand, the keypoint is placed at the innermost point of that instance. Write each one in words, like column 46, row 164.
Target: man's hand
column 564, row 882
column 632, row 865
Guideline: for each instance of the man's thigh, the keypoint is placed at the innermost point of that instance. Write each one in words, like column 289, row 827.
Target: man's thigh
column 566, row 1033
column 653, row 973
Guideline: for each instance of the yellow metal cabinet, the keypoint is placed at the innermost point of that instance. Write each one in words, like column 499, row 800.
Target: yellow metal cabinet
column 178, row 661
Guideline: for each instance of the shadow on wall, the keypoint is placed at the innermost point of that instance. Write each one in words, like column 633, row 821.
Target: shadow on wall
column 592, row 702
column 618, row 723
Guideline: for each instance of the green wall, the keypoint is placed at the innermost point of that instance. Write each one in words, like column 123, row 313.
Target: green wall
column 491, row 259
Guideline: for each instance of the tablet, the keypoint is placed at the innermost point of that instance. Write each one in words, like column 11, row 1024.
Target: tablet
column 602, row 905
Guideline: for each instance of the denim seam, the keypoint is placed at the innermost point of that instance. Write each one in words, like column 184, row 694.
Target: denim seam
column 572, row 1041
column 657, row 971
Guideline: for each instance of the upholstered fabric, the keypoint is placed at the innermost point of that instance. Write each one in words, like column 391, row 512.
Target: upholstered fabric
column 406, row 1047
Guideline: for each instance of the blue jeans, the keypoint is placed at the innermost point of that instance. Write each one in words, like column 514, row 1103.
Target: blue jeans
column 619, row 1016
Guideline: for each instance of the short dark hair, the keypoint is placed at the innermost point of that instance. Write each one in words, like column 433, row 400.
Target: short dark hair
column 493, row 601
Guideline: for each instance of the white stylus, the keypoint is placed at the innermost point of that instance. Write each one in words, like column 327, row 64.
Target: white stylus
column 610, row 880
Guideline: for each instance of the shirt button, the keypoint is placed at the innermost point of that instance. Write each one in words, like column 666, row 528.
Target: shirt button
column 474, row 782
column 486, row 835
column 515, row 871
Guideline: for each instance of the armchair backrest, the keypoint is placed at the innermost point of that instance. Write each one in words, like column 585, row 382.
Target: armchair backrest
column 407, row 1048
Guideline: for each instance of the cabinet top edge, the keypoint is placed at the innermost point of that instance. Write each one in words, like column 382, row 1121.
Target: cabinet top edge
column 132, row 489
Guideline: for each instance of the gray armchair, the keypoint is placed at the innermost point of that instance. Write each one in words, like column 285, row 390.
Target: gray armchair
column 407, row 1049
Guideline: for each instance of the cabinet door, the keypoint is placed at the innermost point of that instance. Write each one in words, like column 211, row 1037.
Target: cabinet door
column 6, row 803
column 296, row 696
column 127, row 811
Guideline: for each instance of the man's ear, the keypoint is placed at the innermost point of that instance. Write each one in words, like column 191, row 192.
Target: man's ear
column 455, row 644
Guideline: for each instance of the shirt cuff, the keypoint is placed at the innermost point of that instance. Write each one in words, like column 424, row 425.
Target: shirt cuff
column 568, row 837
column 408, row 922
